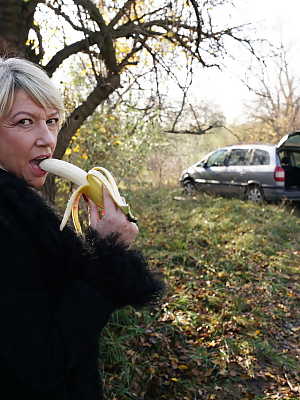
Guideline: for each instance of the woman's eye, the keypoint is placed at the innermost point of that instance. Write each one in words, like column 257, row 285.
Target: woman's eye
column 52, row 121
column 25, row 122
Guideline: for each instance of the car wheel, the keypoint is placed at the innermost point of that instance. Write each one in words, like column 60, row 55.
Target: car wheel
column 189, row 187
column 254, row 193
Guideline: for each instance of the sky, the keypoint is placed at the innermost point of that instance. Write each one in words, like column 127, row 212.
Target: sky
column 275, row 20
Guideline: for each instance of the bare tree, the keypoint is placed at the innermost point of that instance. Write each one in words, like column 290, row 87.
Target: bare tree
column 114, row 37
column 276, row 106
column 197, row 119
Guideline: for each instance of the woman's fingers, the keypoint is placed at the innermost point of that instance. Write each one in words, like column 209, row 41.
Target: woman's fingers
column 113, row 221
column 110, row 207
column 93, row 213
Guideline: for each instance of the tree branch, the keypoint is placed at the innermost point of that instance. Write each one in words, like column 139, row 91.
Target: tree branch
column 73, row 48
column 108, row 53
column 121, row 13
column 59, row 12
column 81, row 113
column 199, row 24
column 194, row 132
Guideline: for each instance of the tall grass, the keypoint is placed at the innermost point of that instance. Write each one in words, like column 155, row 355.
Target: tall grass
column 228, row 326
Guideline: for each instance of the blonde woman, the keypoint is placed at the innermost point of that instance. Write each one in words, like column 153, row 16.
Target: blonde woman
column 57, row 289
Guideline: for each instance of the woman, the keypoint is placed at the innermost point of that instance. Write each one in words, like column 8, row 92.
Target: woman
column 57, row 289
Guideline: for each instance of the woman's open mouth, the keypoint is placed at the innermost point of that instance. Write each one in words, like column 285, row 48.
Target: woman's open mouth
column 35, row 165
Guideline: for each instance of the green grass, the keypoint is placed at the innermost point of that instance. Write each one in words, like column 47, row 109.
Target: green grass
column 228, row 326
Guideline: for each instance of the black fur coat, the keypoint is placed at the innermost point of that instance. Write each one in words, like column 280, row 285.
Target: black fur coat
column 57, row 292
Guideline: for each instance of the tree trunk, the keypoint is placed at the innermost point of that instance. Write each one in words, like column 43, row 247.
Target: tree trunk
column 10, row 17
column 16, row 18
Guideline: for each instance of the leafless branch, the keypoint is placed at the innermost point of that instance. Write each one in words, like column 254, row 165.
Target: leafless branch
column 199, row 24
column 194, row 132
column 58, row 11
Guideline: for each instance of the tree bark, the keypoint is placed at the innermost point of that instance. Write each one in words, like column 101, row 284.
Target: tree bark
column 10, row 17
column 16, row 18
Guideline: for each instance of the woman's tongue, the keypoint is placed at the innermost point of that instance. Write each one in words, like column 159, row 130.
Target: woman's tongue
column 35, row 165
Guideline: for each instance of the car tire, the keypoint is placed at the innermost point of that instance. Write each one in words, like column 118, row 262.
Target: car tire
column 189, row 187
column 254, row 193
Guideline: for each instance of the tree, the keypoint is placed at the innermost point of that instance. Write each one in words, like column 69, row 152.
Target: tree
column 197, row 119
column 275, row 109
column 120, row 42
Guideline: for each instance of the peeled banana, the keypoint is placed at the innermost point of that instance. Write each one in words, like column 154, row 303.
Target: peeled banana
column 91, row 184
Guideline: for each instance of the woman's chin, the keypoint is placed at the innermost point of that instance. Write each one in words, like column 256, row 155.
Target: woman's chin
column 36, row 182
column 35, row 176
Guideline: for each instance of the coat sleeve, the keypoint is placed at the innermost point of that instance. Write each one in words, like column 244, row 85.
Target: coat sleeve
column 119, row 273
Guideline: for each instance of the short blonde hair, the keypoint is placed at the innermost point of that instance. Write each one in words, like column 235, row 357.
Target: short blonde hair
column 17, row 73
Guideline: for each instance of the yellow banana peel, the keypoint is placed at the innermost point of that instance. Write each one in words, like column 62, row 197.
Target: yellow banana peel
column 89, row 183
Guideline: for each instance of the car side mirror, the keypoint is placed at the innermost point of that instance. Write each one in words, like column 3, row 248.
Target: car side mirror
column 202, row 164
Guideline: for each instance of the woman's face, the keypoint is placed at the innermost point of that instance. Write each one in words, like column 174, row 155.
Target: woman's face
column 27, row 135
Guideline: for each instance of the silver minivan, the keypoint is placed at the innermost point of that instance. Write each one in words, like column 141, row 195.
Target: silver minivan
column 254, row 172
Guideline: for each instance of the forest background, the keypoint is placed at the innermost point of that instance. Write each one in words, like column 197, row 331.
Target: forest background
column 126, row 70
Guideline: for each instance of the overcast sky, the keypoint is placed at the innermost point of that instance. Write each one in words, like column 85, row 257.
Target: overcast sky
column 276, row 20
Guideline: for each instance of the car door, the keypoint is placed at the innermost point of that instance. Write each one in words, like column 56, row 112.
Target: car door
column 199, row 174
column 215, row 171
column 292, row 140
column 288, row 150
column 238, row 162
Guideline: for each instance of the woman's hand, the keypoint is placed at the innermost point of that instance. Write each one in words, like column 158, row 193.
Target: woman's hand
column 113, row 221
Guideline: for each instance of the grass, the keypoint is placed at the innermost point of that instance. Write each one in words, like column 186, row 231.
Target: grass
column 229, row 325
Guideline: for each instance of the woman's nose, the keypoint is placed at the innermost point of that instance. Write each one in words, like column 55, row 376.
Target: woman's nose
column 46, row 136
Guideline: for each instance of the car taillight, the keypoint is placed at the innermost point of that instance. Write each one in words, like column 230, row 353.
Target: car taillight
column 279, row 174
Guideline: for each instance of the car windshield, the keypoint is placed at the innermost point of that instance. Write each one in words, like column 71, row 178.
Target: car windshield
column 217, row 159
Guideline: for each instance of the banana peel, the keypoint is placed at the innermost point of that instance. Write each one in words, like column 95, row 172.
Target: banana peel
column 89, row 183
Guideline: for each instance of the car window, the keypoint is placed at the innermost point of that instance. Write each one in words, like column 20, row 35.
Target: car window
column 260, row 157
column 295, row 159
column 239, row 157
column 217, row 159
column 285, row 159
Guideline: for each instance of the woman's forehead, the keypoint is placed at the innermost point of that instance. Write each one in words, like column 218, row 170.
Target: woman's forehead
column 23, row 102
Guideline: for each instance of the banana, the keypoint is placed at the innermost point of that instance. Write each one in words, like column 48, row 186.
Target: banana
column 91, row 184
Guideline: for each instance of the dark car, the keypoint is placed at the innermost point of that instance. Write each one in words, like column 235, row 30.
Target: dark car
column 251, row 171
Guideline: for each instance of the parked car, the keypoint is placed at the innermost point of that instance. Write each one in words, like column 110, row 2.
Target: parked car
column 254, row 172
